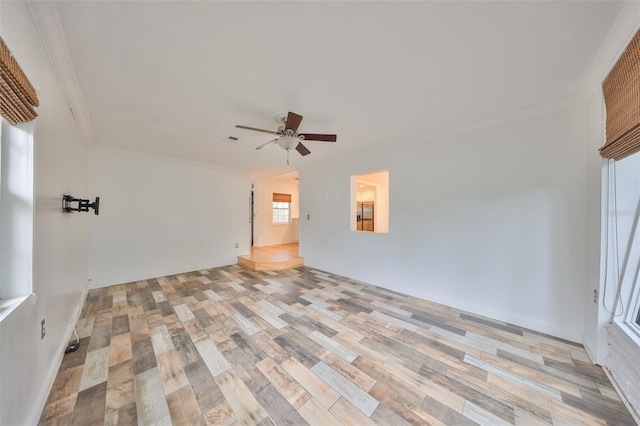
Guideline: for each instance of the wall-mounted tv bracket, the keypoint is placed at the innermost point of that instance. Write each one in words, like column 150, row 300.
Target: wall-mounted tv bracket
column 83, row 205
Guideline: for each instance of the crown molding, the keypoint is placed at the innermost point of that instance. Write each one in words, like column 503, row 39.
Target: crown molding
column 46, row 19
column 167, row 159
column 621, row 33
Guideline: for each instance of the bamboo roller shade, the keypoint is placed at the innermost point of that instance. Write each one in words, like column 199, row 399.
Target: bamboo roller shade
column 17, row 95
column 281, row 198
column 622, row 97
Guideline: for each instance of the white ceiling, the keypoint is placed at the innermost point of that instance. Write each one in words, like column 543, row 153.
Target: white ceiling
column 174, row 78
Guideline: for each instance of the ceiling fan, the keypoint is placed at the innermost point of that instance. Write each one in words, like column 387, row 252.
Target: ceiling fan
column 287, row 134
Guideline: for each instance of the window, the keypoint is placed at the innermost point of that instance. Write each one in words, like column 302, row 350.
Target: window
column 621, row 90
column 370, row 202
column 281, row 212
column 281, row 208
column 16, row 210
column 16, row 182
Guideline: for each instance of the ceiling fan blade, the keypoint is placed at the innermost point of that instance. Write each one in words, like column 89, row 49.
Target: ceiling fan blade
column 302, row 149
column 318, row 137
column 293, row 121
column 271, row 132
column 268, row 144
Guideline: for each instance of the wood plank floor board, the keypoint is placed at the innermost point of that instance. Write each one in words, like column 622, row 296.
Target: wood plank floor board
column 90, row 405
column 96, row 368
column 119, row 325
column 100, row 336
column 143, row 356
column 208, row 394
column 301, row 353
column 348, row 414
column 407, row 389
column 277, row 407
column 249, row 347
column 325, row 395
column 540, row 388
column 246, row 324
column 357, row 376
column 231, row 345
column 462, row 388
column 161, row 340
column 183, row 406
column 314, row 413
column 185, row 348
column 213, row 359
column 270, row 347
column 533, row 373
column 408, row 411
column 221, row 414
column 291, row 390
column 444, row 413
column 239, row 398
column 333, row 346
column 66, row 383
column 247, row 370
column 171, row 371
column 511, row 394
column 386, row 416
column 611, row 411
column 355, row 307
column 151, row 402
column 492, row 323
column 483, row 417
column 58, row 410
column 125, row 415
column 346, row 388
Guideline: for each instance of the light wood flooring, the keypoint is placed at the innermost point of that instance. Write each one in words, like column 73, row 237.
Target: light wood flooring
column 272, row 258
column 235, row 346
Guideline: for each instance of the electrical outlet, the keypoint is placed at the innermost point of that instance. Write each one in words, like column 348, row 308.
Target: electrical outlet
column 42, row 329
column 595, row 296
column 308, row 216
column 237, row 245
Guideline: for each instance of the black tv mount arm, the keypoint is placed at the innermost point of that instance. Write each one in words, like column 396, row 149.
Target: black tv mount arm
column 83, row 205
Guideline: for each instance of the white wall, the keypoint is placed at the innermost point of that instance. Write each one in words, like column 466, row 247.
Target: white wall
column 491, row 221
column 160, row 217
column 265, row 232
column 29, row 364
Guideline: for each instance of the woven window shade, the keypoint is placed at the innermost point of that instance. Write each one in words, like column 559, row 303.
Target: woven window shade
column 622, row 97
column 17, row 95
column 281, row 198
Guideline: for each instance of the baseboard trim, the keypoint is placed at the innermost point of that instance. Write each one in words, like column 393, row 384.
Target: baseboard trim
column 557, row 330
column 141, row 276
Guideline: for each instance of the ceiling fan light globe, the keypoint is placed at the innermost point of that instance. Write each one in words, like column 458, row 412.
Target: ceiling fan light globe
column 288, row 142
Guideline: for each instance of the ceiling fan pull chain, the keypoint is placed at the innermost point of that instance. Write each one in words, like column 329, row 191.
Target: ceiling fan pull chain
column 287, row 157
